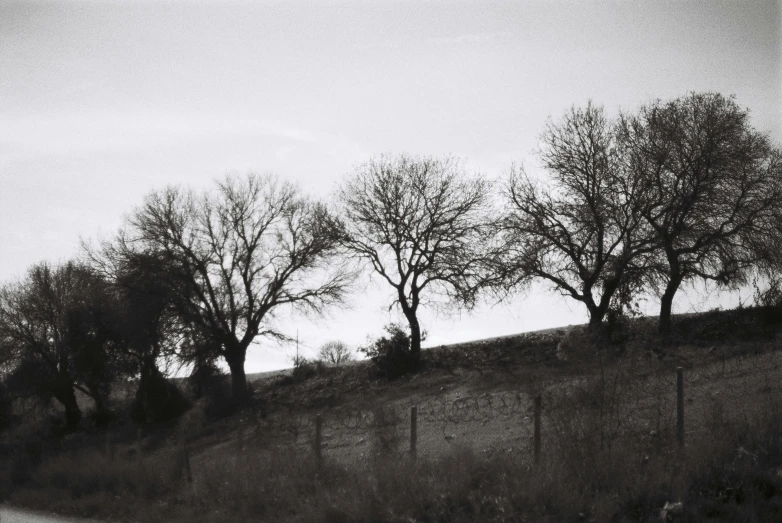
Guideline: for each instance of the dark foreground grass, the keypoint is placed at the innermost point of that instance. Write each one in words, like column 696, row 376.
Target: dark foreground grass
column 733, row 475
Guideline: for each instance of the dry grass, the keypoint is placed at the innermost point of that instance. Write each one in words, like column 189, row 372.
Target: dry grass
column 609, row 448
column 732, row 477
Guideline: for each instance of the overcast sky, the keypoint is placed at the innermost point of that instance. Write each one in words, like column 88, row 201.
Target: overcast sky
column 102, row 102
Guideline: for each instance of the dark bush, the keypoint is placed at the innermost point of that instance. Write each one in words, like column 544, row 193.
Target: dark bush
column 218, row 401
column 157, row 399
column 205, row 378
column 720, row 326
column 769, row 302
column 391, row 354
column 21, row 461
column 102, row 418
column 305, row 369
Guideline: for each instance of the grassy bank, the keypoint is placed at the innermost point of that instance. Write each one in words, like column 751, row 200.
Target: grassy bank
column 735, row 476
column 609, row 451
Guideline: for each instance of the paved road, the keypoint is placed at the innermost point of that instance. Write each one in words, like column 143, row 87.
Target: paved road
column 18, row 515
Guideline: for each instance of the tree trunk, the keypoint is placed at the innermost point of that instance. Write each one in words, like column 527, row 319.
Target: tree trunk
column 239, row 389
column 666, row 304
column 409, row 310
column 415, row 338
column 596, row 313
column 102, row 414
column 595, row 320
column 67, row 399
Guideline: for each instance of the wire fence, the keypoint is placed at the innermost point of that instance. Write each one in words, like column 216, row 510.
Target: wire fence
column 625, row 403
column 643, row 405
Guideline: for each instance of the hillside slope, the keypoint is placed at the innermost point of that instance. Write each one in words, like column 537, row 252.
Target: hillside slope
column 608, row 436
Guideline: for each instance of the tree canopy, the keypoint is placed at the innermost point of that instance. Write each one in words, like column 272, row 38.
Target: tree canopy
column 581, row 230
column 236, row 255
column 422, row 225
column 712, row 187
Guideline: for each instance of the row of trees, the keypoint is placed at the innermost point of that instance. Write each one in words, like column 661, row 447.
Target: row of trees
column 638, row 204
column 679, row 190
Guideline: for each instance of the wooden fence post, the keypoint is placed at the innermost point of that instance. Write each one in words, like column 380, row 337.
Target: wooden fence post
column 536, row 437
column 680, row 406
column 413, row 432
column 317, row 442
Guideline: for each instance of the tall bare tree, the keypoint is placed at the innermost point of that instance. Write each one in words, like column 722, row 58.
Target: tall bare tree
column 712, row 186
column 582, row 229
column 422, row 225
column 237, row 255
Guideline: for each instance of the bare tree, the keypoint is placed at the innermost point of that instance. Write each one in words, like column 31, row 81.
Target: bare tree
column 581, row 231
column 237, row 255
column 335, row 353
column 712, row 186
column 422, row 226
column 57, row 325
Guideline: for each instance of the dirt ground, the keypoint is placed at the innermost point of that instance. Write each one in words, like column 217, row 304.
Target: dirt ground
column 488, row 408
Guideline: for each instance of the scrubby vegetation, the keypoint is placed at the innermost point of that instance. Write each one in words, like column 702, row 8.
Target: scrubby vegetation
column 391, row 354
column 728, row 473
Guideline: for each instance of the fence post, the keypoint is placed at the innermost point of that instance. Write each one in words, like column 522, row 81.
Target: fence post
column 317, row 443
column 536, row 442
column 680, row 406
column 413, row 432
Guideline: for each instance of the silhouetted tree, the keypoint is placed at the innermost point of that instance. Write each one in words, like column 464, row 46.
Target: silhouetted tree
column 57, row 325
column 711, row 187
column 150, row 324
column 335, row 353
column 238, row 254
column 95, row 338
column 582, row 230
column 422, row 225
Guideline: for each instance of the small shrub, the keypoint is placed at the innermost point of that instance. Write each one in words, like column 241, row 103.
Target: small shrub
column 306, row 369
column 391, row 354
